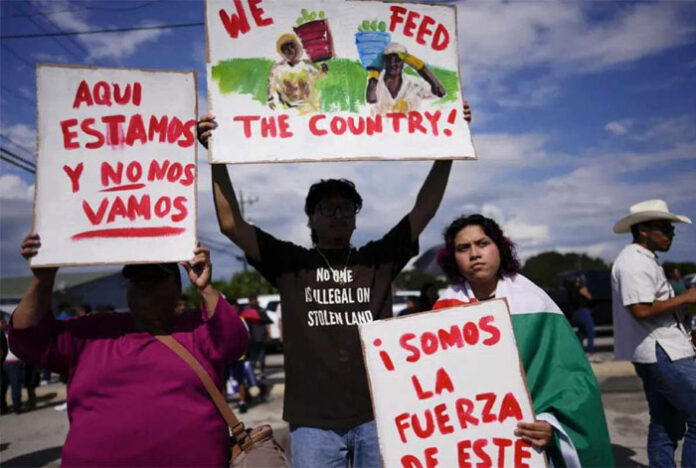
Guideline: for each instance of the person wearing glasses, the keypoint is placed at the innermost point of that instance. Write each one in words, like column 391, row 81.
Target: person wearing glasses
column 325, row 292
column 651, row 330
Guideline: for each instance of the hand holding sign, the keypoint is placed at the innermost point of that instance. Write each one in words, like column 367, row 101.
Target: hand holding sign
column 116, row 176
column 462, row 398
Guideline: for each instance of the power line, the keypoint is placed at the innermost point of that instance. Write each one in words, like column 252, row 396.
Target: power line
column 25, row 149
column 35, row 23
column 72, row 40
column 19, row 158
column 24, row 98
column 17, row 56
column 16, row 164
column 100, row 31
column 86, row 8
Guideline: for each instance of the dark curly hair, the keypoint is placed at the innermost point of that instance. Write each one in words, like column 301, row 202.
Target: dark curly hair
column 326, row 188
column 509, row 263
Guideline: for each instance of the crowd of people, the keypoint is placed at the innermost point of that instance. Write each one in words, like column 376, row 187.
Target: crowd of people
column 133, row 402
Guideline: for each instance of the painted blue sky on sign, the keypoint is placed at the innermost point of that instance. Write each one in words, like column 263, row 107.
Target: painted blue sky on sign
column 580, row 109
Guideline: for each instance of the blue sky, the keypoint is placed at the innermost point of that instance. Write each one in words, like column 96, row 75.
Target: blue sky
column 580, row 110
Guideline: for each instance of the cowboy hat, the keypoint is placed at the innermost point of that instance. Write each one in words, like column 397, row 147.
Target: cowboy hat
column 649, row 210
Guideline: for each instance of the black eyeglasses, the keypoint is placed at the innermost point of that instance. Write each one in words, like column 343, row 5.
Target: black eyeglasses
column 348, row 210
column 666, row 229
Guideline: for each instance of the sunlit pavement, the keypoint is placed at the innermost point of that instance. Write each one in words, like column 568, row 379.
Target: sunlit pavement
column 35, row 438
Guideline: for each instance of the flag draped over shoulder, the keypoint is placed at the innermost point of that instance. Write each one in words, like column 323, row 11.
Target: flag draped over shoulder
column 561, row 383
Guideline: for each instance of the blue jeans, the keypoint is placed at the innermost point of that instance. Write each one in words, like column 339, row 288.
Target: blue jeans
column 586, row 329
column 14, row 379
column 314, row 447
column 670, row 388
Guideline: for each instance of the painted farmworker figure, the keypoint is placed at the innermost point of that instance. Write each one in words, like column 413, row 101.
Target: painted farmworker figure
column 392, row 90
column 325, row 292
column 292, row 80
column 481, row 263
column 126, row 389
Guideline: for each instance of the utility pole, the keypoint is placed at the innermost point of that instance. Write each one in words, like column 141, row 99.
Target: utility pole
column 243, row 204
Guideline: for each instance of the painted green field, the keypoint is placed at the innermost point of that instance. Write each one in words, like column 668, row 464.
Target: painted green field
column 342, row 89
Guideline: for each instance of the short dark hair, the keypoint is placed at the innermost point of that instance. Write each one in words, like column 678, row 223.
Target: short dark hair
column 327, row 187
column 636, row 229
column 509, row 263
column 152, row 270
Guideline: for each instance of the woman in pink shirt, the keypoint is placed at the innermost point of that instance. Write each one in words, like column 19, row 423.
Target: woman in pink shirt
column 131, row 400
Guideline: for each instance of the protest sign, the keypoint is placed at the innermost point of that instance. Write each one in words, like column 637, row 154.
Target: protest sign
column 448, row 388
column 320, row 80
column 116, row 165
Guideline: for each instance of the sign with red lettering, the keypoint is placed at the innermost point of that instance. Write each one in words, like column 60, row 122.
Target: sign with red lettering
column 448, row 388
column 116, row 171
column 315, row 80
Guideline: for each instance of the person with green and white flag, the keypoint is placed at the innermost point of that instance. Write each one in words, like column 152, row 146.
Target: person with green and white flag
column 570, row 426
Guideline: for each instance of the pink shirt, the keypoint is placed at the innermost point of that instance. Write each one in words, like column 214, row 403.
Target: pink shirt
column 131, row 400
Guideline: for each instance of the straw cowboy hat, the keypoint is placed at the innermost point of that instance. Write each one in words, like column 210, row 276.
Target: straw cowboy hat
column 649, row 210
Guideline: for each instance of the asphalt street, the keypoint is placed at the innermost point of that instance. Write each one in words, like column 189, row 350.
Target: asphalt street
column 35, row 438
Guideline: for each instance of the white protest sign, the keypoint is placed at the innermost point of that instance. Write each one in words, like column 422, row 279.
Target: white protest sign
column 448, row 388
column 320, row 80
column 116, row 165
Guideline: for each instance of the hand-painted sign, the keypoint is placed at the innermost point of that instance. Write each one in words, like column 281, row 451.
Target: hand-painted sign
column 319, row 80
column 116, row 176
column 448, row 388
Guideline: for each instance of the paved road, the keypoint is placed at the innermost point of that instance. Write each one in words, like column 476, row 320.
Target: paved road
column 35, row 438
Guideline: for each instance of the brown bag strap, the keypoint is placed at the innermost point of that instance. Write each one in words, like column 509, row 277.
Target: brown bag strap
column 238, row 430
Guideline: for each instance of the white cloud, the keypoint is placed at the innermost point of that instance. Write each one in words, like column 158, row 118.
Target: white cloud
column 22, row 135
column 13, row 187
column 101, row 46
column 497, row 39
column 617, row 127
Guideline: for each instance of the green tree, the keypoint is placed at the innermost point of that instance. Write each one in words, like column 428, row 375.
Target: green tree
column 543, row 268
column 242, row 284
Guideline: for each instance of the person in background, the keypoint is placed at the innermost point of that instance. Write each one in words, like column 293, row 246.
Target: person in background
column 651, row 329
column 428, row 296
column 411, row 306
column 580, row 302
column 12, row 377
column 132, row 401
column 259, row 324
column 482, row 264
column 84, row 309
column 674, row 277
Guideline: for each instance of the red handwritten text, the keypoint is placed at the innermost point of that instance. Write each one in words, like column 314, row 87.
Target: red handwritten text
column 236, row 23
column 420, row 28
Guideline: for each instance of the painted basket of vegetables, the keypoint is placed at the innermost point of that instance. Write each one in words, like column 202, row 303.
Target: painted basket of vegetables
column 371, row 40
column 315, row 35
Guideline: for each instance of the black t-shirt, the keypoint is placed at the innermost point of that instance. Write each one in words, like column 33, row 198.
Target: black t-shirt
column 322, row 304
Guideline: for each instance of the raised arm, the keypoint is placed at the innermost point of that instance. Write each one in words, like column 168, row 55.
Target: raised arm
column 36, row 302
column 429, row 197
column 229, row 216
column 432, row 191
column 200, row 271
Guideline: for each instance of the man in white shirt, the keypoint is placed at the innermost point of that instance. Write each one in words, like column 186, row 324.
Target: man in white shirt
column 651, row 330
